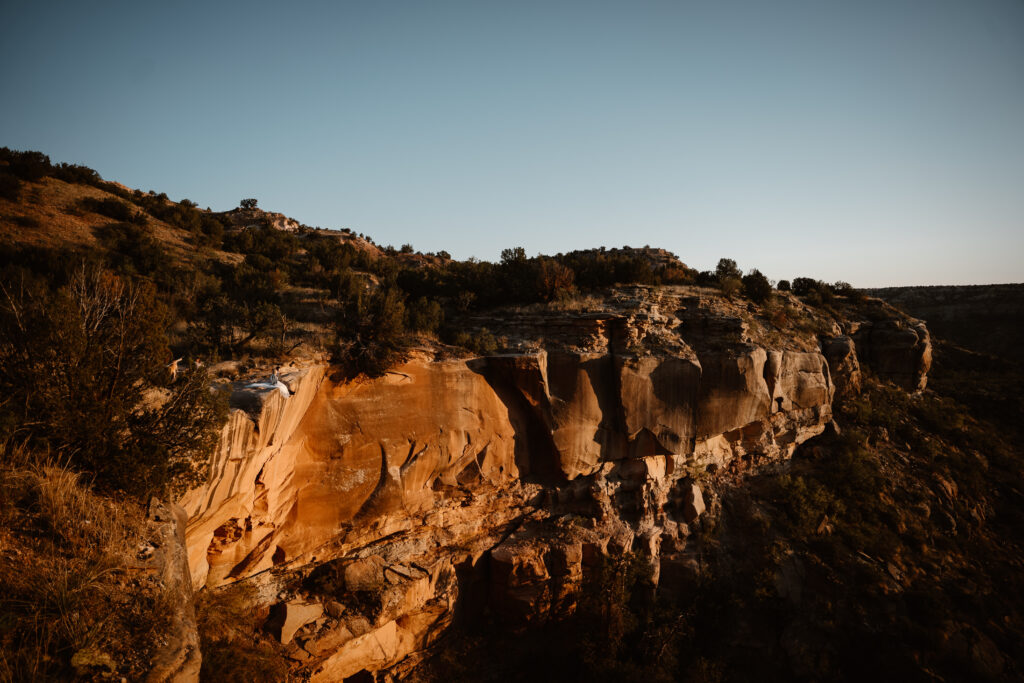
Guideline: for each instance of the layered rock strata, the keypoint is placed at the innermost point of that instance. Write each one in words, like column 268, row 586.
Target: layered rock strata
column 371, row 513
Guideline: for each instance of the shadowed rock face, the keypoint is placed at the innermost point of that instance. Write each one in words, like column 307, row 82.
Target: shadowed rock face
column 179, row 660
column 897, row 350
column 841, row 354
column 986, row 319
column 380, row 506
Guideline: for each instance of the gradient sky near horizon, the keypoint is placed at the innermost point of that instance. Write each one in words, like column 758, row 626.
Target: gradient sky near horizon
column 877, row 142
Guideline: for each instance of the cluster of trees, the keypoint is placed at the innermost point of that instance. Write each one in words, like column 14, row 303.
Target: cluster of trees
column 730, row 279
column 383, row 300
column 754, row 285
column 819, row 293
column 207, row 229
column 598, row 268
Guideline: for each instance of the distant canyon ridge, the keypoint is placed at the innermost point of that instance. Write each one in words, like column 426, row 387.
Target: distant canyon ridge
column 982, row 318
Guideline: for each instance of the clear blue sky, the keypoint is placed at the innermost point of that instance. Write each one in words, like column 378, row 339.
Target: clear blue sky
column 878, row 142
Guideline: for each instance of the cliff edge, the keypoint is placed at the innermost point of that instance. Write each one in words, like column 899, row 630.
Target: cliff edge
column 367, row 512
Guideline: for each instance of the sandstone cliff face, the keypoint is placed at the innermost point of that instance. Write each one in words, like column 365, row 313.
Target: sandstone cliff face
column 248, row 484
column 382, row 507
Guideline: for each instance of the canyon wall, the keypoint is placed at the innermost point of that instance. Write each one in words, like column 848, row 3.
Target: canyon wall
column 370, row 513
column 983, row 318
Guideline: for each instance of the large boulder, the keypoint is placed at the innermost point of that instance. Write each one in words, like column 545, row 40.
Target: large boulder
column 841, row 354
column 179, row 660
column 899, row 350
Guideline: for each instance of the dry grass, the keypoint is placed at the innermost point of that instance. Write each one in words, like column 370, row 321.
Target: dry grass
column 53, row 204
column 56, row 207
column 578, row 303
column 66, row 565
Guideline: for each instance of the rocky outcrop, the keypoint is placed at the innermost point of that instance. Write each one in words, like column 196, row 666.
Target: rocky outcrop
column 899, row 350
column 986, row 319
column 179, row 660
column 371, row 512
column 841, row 354
column 248, row 484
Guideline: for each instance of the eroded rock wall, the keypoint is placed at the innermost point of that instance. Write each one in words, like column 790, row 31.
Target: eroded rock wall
column 899, row 350
column 249, row 485
column 383, row 508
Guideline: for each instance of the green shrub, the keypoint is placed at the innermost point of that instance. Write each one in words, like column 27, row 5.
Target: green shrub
column 730, row 286
column 134, row 251
column 756, row 286
column 29, row 166
column 424, row 315
column 821, row 296
column 553, row 280
column 370, row 329
column 726, row 269
column 802, row 286
column 481, row 343
column 805, row 502
column 82, row 175
column 111, row 208
column 841, row 288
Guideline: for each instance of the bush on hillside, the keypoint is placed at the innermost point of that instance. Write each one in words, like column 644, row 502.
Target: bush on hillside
column 33, row 166
column 370, row 329
column 482, row 343
column 730, row 286
column 756, row 286
column 553, row 280
column 424, row 315
column 842, row 288
column 29, row 166
column 802, row 286
column 727, row 268
column 84, row 370
column 111, row 207
column 132, row 250
column 845, row 289
column 10, row 186
column 706, row 278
